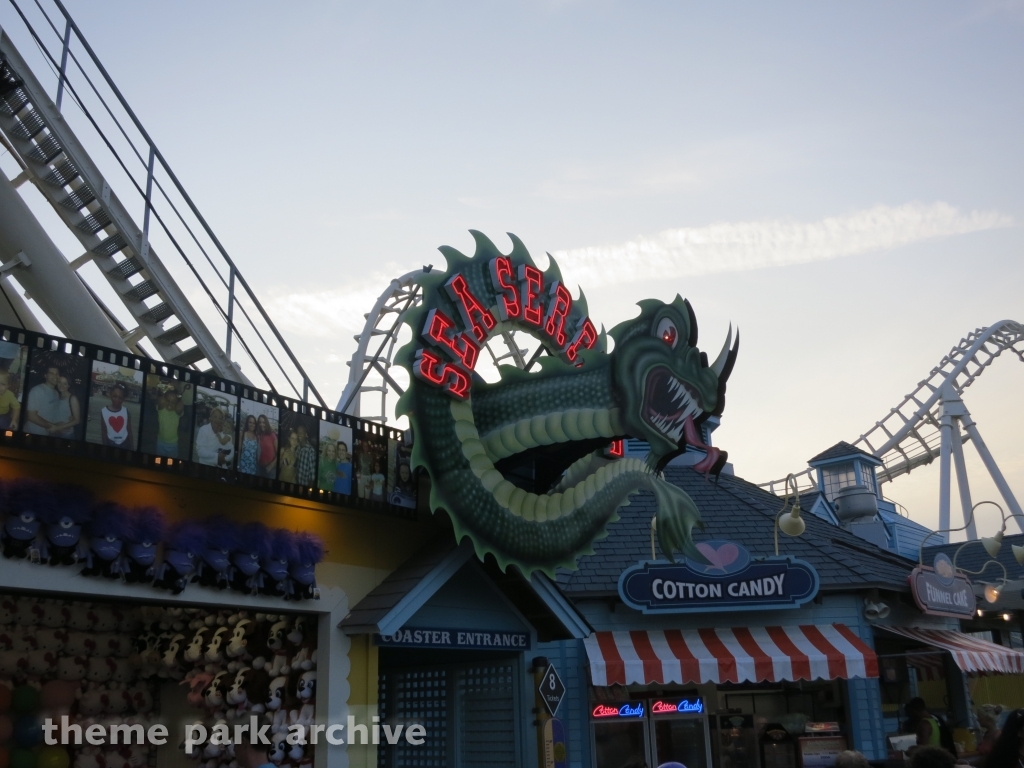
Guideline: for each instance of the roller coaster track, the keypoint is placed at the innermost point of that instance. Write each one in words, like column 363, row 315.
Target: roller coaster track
column 910, row 435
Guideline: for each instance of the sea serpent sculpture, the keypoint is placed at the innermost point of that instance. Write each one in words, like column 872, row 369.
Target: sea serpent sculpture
column 522, row 465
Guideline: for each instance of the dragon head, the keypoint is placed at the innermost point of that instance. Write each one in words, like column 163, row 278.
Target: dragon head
column 665, row 382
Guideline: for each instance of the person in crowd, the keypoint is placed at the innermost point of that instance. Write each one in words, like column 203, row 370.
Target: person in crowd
column 42, row 399
column 168, row 415
column 328, row 466
column 404, row 494
column 66, row 410
column 268, row 448
column 989, row 732
column 115, row 421
column 288, row 455
column 1008, row 750
column 851, row 758
column 10, row 408
column 305, row 459
column 215, row 445
column 923, row 723
column 248, row 453
column 931, row 757
column 342, row 469
column 377, row 482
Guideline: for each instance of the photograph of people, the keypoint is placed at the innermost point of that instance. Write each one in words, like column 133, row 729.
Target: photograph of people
column 167, row 418
column 371, row 461
column 56, row 393
column 12, row 379
column 335, row 460
column 257, row 440
column 298, row 460
column 115, row 406
column 215, row 428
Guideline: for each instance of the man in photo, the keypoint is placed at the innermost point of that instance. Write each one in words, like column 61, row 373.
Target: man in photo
column 43, row 398
column 115, row 421
column 305, row 459
column 215, row 445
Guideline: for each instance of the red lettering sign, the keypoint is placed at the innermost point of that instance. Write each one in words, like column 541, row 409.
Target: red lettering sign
column 586, row 337
column 440, row 329
column 603, row 710
column 431, row 368
column 503, row 279
column 474, row 316
column 531, row 281
column 559, row 306
column 617, row 449
column 661, row 707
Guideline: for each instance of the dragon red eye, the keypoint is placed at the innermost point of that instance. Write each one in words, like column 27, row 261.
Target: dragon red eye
column 667, row 332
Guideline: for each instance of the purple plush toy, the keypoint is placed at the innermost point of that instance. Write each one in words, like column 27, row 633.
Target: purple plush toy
column 309, row 550
column 182, row 555
column 221, row 539
column 71, row 510
column 106, row 540
column 145, row 530
column 253, row 549
column 25, row 500
column 275, row 567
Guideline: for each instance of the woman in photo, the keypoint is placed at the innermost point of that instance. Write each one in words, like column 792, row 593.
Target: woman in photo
column 343, row 469
column 249, row 452
column 268, row 448
column 328, row 467
column 66, row 410
column 10, row 408
column 287, row 458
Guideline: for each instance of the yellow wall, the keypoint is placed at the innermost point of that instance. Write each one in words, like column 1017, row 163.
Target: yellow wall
column 352, row 537
column 1007, row 690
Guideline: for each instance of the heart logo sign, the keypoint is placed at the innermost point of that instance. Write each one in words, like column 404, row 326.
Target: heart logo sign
column 722, row 557
column 116, row 423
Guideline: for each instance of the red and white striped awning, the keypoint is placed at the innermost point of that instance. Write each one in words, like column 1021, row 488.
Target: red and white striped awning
column 972, row 654
column 741, row 654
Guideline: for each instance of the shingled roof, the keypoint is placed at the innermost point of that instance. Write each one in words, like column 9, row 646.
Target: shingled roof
column 840, row 449
column 973, row 556
column 739, row 511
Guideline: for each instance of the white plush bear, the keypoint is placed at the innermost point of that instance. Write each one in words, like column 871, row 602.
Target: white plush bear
column 71, row 668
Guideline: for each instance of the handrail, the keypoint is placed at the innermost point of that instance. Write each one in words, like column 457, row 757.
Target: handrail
column 233, row 276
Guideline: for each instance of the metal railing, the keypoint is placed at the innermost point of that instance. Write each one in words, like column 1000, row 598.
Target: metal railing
column 127, row 156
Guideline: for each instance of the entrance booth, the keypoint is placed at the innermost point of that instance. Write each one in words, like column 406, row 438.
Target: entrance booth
column 454, row 639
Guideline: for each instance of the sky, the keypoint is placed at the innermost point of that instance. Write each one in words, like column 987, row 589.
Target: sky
column 840, row 181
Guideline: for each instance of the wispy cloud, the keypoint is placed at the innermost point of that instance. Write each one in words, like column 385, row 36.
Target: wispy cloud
column 723, row 247
column 740, row 246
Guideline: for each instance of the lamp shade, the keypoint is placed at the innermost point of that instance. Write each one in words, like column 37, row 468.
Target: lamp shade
column 991, row 593
column 992, row 544
column 792, row 524
column 1018, row 554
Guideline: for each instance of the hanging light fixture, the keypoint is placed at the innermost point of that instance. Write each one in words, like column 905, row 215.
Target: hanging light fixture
column 993, row 544
column 1018, row 554
column 992, row 593
column 791, row 524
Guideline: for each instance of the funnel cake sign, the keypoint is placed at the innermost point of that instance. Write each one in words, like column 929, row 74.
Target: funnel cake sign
column 730, row 580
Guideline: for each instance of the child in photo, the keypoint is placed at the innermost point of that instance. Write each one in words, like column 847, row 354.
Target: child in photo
column 288, row 456
column 328, row 467
column 377, row 482
column 68, row 413
column 343, row 469
column 268, row 448
column 10, row 408
column 115, row 421
column 249, row 452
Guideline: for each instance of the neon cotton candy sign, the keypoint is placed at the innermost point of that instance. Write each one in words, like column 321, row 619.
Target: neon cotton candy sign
column 695, row 706
column 629, row 709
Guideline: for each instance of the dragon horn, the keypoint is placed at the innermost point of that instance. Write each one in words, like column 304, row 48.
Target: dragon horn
column 719, row 365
